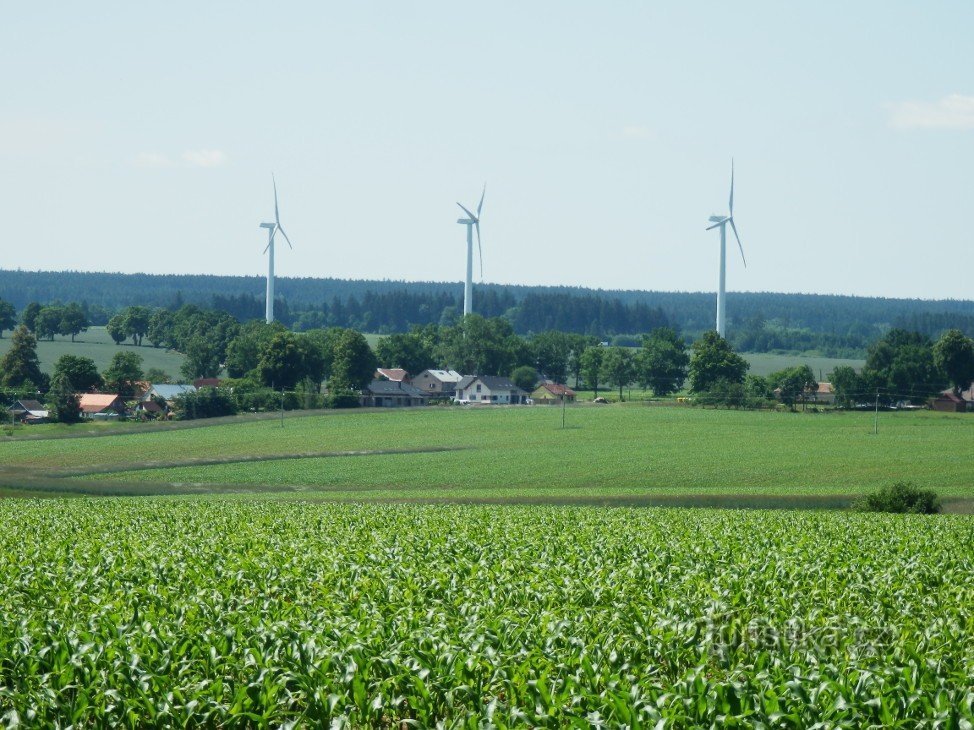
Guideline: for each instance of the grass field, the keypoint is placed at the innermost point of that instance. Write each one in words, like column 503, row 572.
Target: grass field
column 522, row 454
column 226, row 614
column 765, row 363
column 96, row 344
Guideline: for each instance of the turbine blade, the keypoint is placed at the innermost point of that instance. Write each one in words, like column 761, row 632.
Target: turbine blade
column 277, row 216
column 285, row 236
column 270, row 240
column 738, row 241
column 481, row 203
column 480, row 250
column 716, row 225
column 730, row 204
column 471, row 215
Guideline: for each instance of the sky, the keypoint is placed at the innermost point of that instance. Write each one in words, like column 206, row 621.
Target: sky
column 141, row 137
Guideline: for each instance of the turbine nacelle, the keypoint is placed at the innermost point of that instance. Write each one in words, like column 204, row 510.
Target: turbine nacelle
column 474, row 220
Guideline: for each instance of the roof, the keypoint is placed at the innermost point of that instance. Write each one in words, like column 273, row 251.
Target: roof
column 493, row 382
column 95, row 402
column 950, row 396
column 556, row 389
column 28, row 405
column 207, row 382
column 445, row 376
column 824, row 389
column 151, row 406
column 396, row 374
column 392, row 387
column 168, row 391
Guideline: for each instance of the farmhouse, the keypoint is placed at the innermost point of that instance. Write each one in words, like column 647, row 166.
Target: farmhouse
column 392, row 394
column 823, row 393
column 553, row 393
column 167, row 392
column 948, row 401
column 488, row 389
column 101, row 406
column 438, row 383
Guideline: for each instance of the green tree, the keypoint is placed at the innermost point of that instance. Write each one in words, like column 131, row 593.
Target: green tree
column 847, row 386
column 714, row 362
column 157, row 375
column 160, row 331
column 793, row 384
column 663, row 361
column 552, row 350
column 525, row 377
column 48, row 322
column 64, row 403
column 410, row 351
column 482, row 346
column 20, row 368
column 901, row 366
column 73, row 322
column 81, row 372
column 953, row 353
column 354, row 363
column 244, row 350
column 618, row 367
column 280, row 365
column 590, row 366
column 116, row 329
column 136, row 321
column 123, row 372
column 8, row 317
column 28, row 317
column 202, row 359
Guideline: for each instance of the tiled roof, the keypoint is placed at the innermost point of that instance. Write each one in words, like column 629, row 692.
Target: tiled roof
column 558, row 389
column 445, row 376
column 95, row 402
column 493, row 382
column 395, row 374
column 392, row 387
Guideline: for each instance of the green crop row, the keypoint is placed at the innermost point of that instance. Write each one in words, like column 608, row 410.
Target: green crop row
column 149, row 612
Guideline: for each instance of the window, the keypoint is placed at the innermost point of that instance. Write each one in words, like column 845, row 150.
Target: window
column 478, row 387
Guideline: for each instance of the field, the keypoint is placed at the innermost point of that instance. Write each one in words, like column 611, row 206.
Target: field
column 765, row 363
column 211, row 613
column 337, row 570
column 609, row 453
column 96, row 344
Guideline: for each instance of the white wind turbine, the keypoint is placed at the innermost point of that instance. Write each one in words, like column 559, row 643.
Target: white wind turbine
column 472, row 221
column 272, row 228
column 721, row 221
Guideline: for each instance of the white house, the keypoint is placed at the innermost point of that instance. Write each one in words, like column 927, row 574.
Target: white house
column 437, row 383
column 488, row 389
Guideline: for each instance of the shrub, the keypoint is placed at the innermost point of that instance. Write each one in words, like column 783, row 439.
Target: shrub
column 344, row 399
column 903, row 497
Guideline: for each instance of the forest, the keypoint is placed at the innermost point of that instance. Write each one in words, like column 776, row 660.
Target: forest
column 832, row 325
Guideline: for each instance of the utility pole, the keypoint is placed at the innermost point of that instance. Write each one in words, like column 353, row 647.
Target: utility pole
column 282, row 407
column 876, row 417
column 564, row 400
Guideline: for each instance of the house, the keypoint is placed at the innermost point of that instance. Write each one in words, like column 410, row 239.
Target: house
column 488, row 389
column 948, row 401
column 167, row 392
column 101, row 406
column 822, row 394
column 206, row 383
column 553, row 393
column 25, row 405
column 396, row 375
column 437, row 383
column 393, row 394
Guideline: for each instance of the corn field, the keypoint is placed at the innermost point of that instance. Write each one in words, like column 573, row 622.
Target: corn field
column 161, row 612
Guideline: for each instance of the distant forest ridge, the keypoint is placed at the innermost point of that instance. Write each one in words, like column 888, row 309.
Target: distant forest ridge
column 760, row 321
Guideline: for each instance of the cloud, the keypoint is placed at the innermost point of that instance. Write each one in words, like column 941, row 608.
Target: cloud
column 637, row 131
column 151, row 160
column 955, row 111
column 204, row 158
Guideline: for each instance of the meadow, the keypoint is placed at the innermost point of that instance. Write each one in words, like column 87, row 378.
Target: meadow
column 214, row 613
column 616, row 453
column 96, row 344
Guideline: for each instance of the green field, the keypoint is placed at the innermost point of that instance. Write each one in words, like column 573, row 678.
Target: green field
column 765, row 363
column 211, row 613
column 616, row 452
column 96, row 344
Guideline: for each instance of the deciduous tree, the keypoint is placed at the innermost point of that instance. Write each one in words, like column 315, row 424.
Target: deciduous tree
column 714, row 362
column 81, row 372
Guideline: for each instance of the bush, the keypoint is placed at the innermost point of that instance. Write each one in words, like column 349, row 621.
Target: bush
column 344, row 399
column 204, row 403
column 902, row 497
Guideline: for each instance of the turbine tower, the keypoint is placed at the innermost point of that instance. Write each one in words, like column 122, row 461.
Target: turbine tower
column 721, row 221
column 472, row 221
column 272, row 228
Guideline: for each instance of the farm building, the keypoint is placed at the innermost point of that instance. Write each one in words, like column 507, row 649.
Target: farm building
column 488, row 389
column 553, row 393
column 822, row 394
column 948, row 401
column 396, row 375
column 29, row 411
column 206, row 383
column 167, row 392
column 438, row 383
column 393, row 394
column 101, row 406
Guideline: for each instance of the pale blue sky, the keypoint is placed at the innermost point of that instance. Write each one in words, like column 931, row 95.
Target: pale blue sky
column 138, row 137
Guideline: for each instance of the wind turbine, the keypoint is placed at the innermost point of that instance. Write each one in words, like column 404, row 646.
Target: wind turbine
column 721, row 221
column 472, row 221
column 272, row 228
